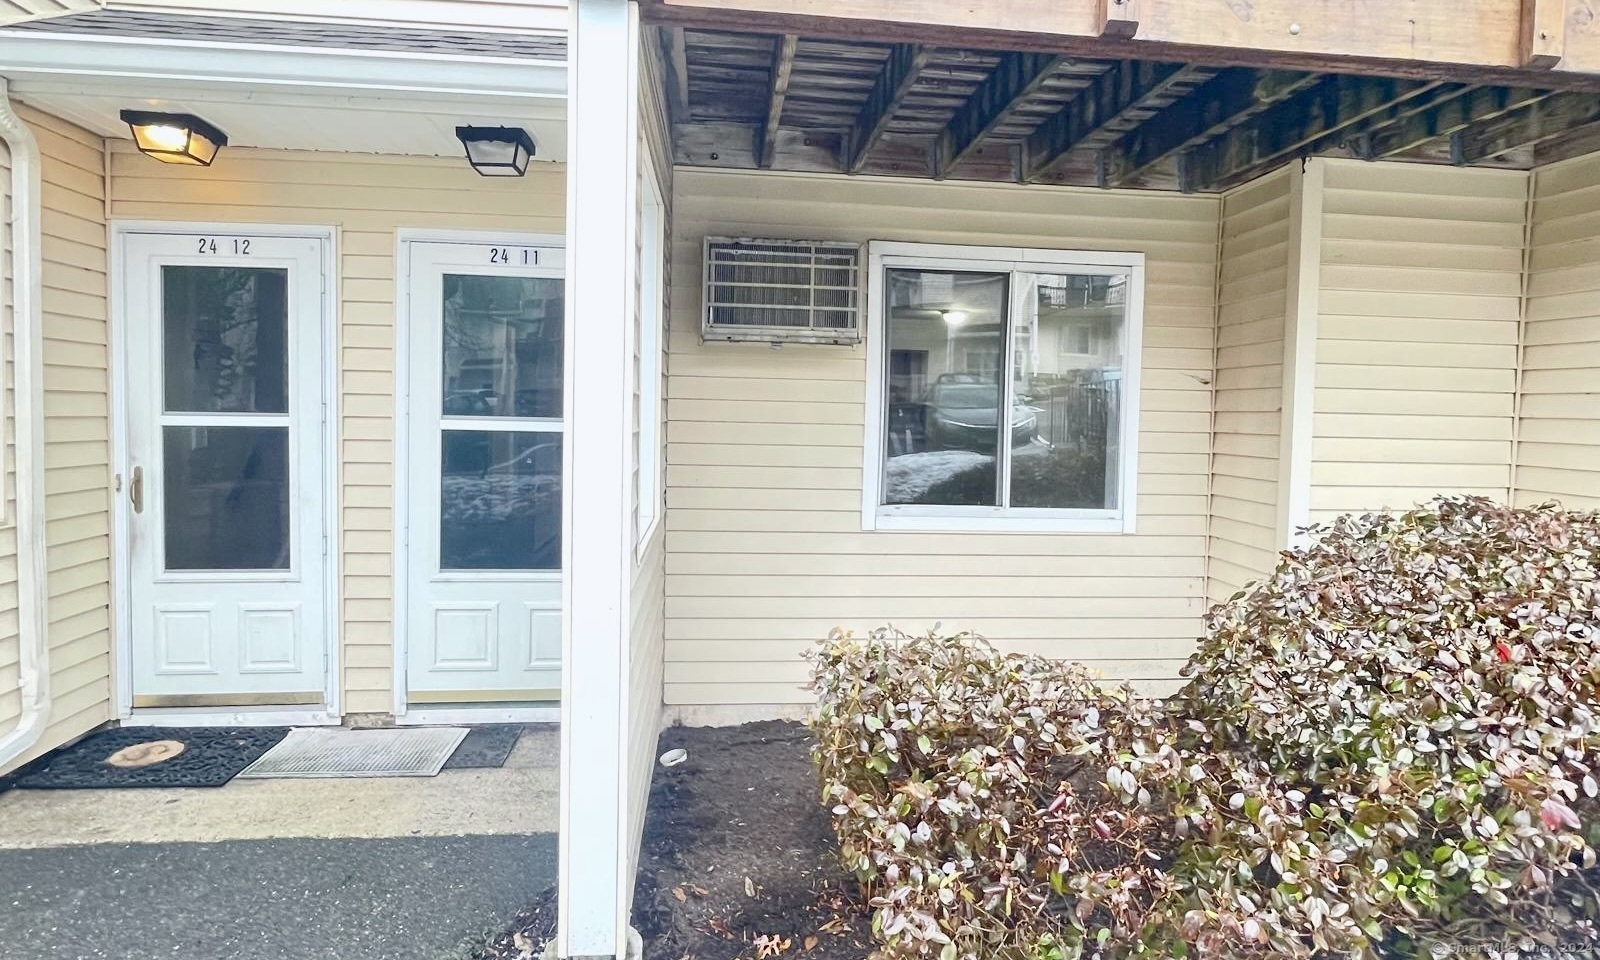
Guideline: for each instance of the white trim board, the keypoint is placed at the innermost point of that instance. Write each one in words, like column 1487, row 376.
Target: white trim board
column 1303, row 293
column 885, row 255
column 405, row 237
column 121, row 558
column 42, row 53
column 490, row 16
column 430, row 716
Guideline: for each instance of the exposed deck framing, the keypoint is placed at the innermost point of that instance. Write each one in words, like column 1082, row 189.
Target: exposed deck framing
column 794, row 102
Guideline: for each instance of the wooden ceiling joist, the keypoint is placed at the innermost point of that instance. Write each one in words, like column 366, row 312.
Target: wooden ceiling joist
column 1013, row 80
column 1470, row 106
column 1529, row 126
column 899, row 75
column 796, row 102
column 1217, row 106
column 1278, row 135
column 782, row 69
column 677, row 73
column 1113, row 104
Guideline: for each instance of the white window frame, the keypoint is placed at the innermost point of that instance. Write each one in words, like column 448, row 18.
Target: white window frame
column 649, row 323
column 875, row 515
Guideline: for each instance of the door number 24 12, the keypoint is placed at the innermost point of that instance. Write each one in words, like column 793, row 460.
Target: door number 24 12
column 237, row 246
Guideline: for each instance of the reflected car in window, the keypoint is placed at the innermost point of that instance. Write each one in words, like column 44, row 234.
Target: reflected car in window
column 962, row 416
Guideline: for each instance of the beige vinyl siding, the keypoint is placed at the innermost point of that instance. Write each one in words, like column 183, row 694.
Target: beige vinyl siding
column 1416, row 356
column 367, row 197
column 1252, row 292
column 645, row 622
column 77, row 445
column 765, row 551
column 1558, row 449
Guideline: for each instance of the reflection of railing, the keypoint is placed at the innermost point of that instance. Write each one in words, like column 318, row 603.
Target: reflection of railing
column 1079, row 414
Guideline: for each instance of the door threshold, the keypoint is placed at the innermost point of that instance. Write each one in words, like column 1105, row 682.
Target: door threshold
column 426, row 716
column 230, row 717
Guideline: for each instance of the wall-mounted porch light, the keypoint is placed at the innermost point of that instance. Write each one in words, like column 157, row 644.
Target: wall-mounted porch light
column 175, row 137
column 497, row 151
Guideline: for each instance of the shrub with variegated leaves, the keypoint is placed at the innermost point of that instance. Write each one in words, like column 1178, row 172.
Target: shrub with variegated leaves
column 1397, row 736
column 1390, row 741
column 992, row 806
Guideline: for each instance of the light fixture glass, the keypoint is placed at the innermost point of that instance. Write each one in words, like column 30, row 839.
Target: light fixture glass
column 497, row 151
column 954, row 318
column 175, row 137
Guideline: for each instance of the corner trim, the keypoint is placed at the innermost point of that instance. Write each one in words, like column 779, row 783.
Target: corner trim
column 1303, row 293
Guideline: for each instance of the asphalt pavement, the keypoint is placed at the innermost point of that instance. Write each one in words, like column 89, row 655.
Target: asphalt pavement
column 395, row 898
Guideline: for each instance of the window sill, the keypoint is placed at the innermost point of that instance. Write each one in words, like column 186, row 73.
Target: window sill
column 994, row 522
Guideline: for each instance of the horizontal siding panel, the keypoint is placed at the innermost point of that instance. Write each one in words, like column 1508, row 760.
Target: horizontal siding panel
column 77, row 449
column 764, row 542
column 1417, row 339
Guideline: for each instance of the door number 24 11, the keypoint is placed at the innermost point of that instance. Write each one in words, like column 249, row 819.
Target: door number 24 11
column 521, row 256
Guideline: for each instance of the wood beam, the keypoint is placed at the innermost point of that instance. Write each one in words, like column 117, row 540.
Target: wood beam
column 1290, row 128
column 1016, row 77
column 782, row 66
column 900, row 72
column 1542, row 33
column 1528, row 126
column 1467, row 107
column 677, row 72
column 1117, row 18
column 1217, row 106
column 1125, row 87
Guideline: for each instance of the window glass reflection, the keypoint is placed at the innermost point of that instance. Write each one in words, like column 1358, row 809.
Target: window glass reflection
column 225, row 498
column 946, row 333
column 502, row 346
column 225, row 333
column 1066, row 345
column 501, row 501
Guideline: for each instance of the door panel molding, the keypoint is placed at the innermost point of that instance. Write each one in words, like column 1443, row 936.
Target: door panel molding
column 326, row 704
column 444, row 249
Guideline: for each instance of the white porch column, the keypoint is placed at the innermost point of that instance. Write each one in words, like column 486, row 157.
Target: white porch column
column 602, row 163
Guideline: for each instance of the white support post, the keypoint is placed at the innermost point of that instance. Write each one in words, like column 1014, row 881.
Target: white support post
column 597, row 556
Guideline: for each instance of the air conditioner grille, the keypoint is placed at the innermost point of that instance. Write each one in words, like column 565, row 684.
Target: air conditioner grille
column 781, row 289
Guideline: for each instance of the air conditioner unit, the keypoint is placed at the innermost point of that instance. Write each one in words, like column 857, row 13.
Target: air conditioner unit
column 782, row 291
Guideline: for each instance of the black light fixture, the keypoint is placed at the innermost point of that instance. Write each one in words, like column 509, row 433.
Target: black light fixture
column 497, row 151
column 175, row 137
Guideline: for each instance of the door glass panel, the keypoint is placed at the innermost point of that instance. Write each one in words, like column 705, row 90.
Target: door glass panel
column 225, row 333
column 1066, row 371
column 501, row 503
column 225, row 504
column 946, row 332
column 502, row 346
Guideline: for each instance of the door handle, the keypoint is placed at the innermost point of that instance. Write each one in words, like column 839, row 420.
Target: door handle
column 136, row 489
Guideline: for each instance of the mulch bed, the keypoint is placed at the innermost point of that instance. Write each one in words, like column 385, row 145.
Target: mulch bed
column 739, row 857
column 524, row 938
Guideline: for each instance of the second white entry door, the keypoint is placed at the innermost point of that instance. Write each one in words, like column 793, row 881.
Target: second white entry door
column 483, row 490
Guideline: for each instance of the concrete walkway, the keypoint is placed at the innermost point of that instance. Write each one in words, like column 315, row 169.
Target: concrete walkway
column 398, row 869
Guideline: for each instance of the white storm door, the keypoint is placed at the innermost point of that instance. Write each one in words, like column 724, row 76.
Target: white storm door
column 225, row 469
column 483, row 492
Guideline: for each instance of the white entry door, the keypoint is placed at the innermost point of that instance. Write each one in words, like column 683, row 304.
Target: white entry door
column 225, row 469
column 483, row 493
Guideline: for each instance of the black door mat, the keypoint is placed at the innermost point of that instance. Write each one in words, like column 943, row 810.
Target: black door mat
column 151, row 757
column 486, row 746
